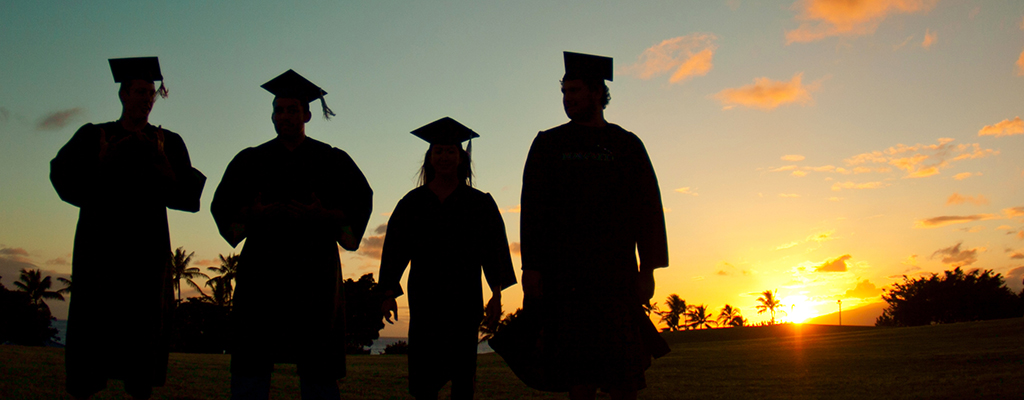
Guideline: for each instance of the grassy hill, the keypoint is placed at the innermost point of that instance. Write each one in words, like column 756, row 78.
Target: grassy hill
column 864, row 315
column 955, row 361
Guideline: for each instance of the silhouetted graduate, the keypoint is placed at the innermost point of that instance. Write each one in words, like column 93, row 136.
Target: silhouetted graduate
column 293, row 199
column 590, row 202
column 448, row 230
column 123, row 175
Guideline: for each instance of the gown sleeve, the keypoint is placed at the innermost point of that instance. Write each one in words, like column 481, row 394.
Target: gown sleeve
column 231, row 196
column 652, row 243
column 357, row 201
column 497, row 261
column 187, row 187
column 397, row 250
column 535, row 233
column 75, row 170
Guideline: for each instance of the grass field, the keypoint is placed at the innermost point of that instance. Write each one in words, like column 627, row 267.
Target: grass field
column 956, row 361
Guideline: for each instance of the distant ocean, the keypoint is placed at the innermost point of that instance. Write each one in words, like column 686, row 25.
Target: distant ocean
column 377, row 347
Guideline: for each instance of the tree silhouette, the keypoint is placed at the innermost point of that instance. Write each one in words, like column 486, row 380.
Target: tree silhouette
column 730, row 316
column 222, row 286
column 675, row 316
column 22, row 321
column 699, row 317
column 768, row 303
column 954, row 296
column 180, row 270
column 66, row 283
column 37, row 287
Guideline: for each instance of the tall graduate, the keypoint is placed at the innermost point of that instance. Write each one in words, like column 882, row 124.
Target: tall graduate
column 590, row 203
column 449, row 231
column 293, row 199
column 123, row 176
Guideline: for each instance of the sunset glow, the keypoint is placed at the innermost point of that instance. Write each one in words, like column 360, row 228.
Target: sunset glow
column 823, row 149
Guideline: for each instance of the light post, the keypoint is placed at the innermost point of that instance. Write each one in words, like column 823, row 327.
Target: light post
column 840, row 302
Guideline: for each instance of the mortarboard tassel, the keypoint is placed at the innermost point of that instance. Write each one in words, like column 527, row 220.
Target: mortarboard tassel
column 327, row 110
column 162, row 91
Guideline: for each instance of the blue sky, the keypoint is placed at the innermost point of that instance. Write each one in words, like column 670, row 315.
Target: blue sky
column 756, row 144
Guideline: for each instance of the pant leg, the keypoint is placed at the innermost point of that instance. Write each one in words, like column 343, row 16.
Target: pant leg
column 319, row 389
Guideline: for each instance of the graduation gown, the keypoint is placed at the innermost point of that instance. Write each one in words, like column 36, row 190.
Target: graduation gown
column 288, row 304
column 447, row 243
column 120, row 314
column 590, row 203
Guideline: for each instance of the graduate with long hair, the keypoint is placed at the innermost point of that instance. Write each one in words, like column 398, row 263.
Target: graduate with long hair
column 449, row 231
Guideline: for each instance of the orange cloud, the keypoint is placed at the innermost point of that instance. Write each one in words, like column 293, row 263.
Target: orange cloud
column 929, row 38
column 793, row 157
column 825, row 18
column 964, row 175
column 516, row 209
column 798, row 173
column 515, row 248
column 767, row 94
column 1005, row 127
column 837, row 264
column 686, row 56
column 956, row 198
column 864, row 289
column 1014, row 212
column 1020, row 64
column 951, row 219
column 923, row 160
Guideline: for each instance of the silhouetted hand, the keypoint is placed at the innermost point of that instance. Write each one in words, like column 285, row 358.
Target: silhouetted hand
column 108, row 148
column 388, row 307
column 493, row 311
column 645, row 285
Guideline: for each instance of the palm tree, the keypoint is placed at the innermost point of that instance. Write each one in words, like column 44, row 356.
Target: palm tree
column 66, row 283
column 180, row 270
column 728, row 315
column 650, row 308
column 769, row 303
column 37, row 287
column 699, row 317
column 737, row 321
column 676, row 312
column 223, row 288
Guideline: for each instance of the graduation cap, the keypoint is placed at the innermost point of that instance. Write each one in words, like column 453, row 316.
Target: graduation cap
column 446, row 131
column 293, row 86
column 144, row 68
column 586, row 66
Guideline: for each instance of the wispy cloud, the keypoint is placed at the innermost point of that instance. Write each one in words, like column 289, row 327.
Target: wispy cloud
column 381, row 229
column 957, row 198
column 517, row 208
column 372, row 247
column 58, row 119
column 903, row 43
column 683, row 56
column 1014, row 212
column 929, row 39
column 964, row 175
column 687, row 190
column 923, row 160
column 1017, row 256
column 767, row 94
column 1005, row 127
column 515, row 248
column 956, row 257
column 825, row 18
column 936, row 222
column 837, row 264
